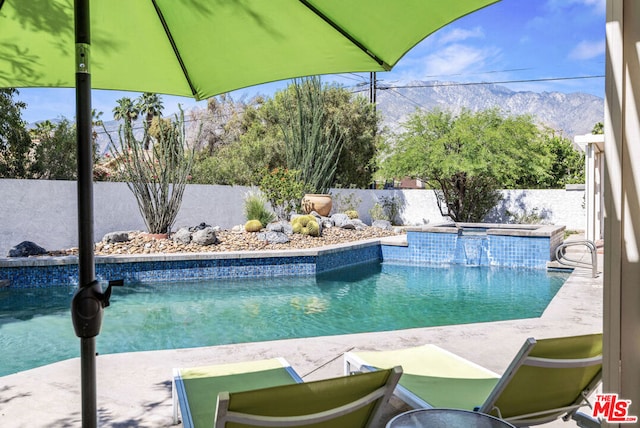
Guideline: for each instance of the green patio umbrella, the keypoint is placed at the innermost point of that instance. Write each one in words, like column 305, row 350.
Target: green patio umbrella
column 196, row 48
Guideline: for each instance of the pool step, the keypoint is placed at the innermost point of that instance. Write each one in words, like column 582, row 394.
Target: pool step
column 396, row 240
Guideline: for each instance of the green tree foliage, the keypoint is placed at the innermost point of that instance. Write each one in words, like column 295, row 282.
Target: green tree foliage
column 567, row 163
column 223, row 122
column 357, row 121
column 240, row 139
column 467, row 158
column 245, row 145
column 55, row 153
column 598, row 128
column 15, row 143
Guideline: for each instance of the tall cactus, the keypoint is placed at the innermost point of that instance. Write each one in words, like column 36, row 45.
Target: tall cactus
column 313, row 143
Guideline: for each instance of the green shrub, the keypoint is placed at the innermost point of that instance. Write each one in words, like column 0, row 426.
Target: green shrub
column 253, row 226
column 525, row 217
column 387, row 209
column 283, row 190
column 343, row 201
column 255, row 208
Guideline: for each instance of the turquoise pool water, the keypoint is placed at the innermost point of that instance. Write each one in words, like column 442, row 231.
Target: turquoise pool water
column 35, row 324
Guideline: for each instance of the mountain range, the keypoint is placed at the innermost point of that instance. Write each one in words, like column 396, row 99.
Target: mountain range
column 570, row 114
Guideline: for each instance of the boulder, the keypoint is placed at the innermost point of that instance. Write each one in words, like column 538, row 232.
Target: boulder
column 273, row 237
column 280, row 226
column 359, row 224
column 26, row 249
column 354, row 224
column 201, row 226
column 113, row 237
column 327, row 222
column 382, row 224
column 340, row 219
column 348, row 225
column 206, row 236
column 182, row 236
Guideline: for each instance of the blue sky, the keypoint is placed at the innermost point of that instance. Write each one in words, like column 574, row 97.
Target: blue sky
column 523, row 42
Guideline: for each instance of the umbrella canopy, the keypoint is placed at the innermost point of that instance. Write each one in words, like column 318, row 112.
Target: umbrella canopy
column 200, row 48
column 196, row 48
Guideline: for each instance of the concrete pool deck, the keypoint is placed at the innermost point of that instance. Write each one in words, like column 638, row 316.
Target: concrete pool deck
column 134, row 389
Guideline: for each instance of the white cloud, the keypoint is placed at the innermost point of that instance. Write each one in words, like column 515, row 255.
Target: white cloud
column 455, row 59
column 597, row 6
column 587, row 50
column 460, row 34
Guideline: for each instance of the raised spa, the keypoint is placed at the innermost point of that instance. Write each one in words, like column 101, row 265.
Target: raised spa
column 479, row 244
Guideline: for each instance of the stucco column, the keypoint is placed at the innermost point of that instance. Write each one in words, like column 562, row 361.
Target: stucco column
column 592, row 146
column 622, row 203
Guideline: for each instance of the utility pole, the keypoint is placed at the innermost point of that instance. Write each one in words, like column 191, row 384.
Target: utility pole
column 372, row 89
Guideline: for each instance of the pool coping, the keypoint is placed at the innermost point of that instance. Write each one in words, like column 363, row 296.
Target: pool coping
column 6, row 262
column 525, row 230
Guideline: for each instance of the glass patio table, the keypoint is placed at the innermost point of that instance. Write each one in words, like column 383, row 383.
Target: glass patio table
column 445, row 418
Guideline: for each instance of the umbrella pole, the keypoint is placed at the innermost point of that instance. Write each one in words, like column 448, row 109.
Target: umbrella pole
column 86, row 263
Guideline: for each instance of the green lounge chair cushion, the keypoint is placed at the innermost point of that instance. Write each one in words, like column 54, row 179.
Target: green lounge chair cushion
column 439, row 377
column 202, row 384
column 535, row 389
column 312, row 397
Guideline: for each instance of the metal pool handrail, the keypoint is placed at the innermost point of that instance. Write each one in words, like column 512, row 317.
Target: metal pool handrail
column 591, row 246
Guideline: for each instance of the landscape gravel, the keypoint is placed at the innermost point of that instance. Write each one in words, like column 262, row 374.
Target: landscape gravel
column 141, row 243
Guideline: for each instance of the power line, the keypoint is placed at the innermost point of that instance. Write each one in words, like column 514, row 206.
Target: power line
column 495, row 82
column 359, row 78
column 394, row 91
column 482, row 72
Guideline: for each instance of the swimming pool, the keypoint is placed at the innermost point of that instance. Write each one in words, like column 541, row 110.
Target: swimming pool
column 35, row 325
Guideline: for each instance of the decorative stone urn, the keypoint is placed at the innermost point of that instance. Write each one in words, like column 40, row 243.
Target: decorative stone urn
column 320, row 203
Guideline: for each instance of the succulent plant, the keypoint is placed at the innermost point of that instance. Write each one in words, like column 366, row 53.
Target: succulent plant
column 253, row 226
column 306, row 225
column 313, row 228
column 352, row 214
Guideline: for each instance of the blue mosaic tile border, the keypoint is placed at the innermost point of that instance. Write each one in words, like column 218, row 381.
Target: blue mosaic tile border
column 518, row 251
column 335, row 260
column 490, row 250
column 167, row 270
column 423, row 247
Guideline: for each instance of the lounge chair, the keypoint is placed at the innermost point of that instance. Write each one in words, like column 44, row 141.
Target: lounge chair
column 547, row 379
column 270, row 393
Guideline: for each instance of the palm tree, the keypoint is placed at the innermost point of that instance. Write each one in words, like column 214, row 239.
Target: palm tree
column 149, row 104
column 95, row 122
column 43, row 129
column 128, row 112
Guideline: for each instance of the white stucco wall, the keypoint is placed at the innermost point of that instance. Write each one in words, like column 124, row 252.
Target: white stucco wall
column 45, row 211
